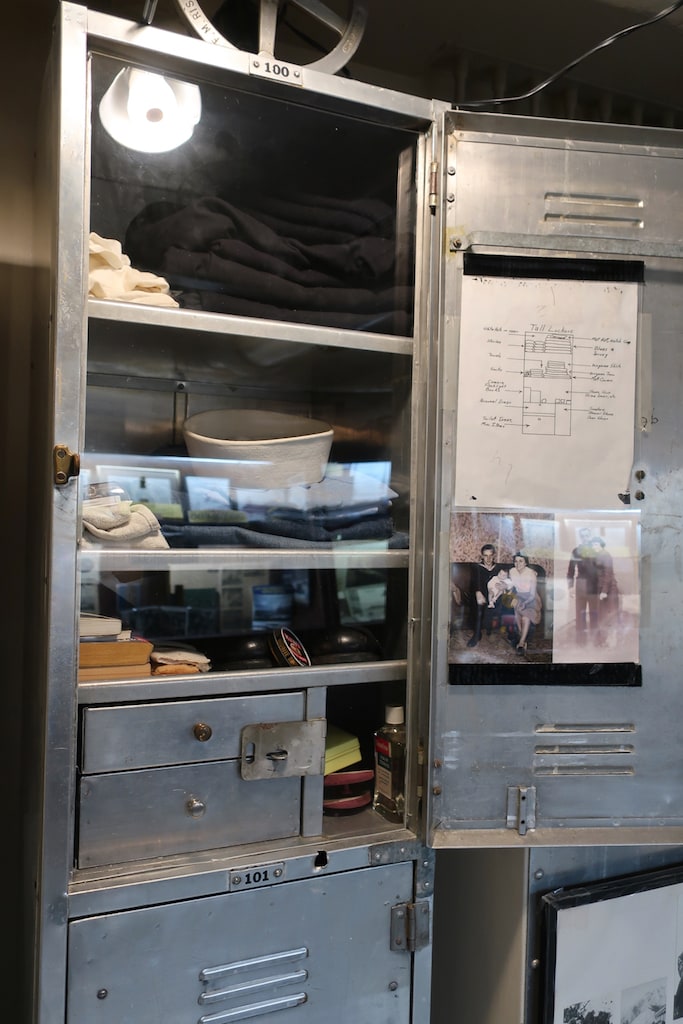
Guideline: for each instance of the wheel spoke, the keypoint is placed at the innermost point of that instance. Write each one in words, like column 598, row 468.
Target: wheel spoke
column 349, row 30
column 323, row 13
column 268, row 26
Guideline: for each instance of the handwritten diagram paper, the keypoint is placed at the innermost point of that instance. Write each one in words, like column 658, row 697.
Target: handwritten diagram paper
column 546, row 393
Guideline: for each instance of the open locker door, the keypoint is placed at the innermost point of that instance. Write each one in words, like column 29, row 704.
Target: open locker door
column 557, row 583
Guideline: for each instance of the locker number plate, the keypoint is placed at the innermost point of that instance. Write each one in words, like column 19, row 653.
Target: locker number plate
column 264, row 65
column 256, row 876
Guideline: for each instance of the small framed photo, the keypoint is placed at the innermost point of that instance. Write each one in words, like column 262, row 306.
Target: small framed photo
column 149, row 486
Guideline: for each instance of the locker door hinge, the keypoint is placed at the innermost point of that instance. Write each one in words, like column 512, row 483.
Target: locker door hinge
column 521, row 811
column 409, row 926
column 433, row 184
column 65, row 464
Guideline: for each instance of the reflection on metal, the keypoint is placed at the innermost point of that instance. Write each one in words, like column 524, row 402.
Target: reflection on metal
column 349, row 30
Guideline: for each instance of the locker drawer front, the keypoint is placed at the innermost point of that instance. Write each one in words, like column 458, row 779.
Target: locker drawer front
column 158, row 812
column 318, row 948
column 183, row 732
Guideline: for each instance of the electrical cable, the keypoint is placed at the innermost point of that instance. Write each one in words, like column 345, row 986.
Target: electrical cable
column 475, row 104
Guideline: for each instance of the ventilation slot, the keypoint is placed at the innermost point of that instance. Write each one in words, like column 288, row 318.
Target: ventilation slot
column 584, row 754
column 597, row 211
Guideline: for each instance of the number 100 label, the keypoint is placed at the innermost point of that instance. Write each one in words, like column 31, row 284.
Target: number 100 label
column 264, row 66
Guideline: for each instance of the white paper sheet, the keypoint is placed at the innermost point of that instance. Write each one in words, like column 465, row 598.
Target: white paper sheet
column 546, row 393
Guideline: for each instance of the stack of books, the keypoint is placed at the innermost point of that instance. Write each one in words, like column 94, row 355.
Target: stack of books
column 106, row 651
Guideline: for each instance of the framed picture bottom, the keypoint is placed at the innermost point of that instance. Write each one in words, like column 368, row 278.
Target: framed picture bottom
column 614, row 951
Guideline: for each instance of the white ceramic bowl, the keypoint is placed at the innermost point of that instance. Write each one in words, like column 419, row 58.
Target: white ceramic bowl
column 262, row 449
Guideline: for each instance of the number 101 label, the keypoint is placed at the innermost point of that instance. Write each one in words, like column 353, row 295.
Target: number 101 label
column 265, row 66
column 257, row 876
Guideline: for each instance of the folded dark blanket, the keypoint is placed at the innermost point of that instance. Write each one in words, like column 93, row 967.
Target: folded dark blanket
column 161, row 226
column 225, row 260
column 359, row 218
column 391, row 322
column 247, row 283
column 274, row 533
column 366, row 260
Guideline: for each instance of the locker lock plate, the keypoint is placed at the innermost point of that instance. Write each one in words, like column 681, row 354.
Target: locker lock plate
column 280, row 750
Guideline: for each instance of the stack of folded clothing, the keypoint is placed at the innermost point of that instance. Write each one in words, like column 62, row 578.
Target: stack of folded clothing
column 311, row 259
column 343, row 506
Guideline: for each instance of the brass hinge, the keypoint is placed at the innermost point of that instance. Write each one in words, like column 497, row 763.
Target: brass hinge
column 409, row 926
column 65, row 464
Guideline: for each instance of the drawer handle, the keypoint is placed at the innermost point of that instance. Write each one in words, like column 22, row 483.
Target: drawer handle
column 202, row 732
column 195, row 807
column 277, row 755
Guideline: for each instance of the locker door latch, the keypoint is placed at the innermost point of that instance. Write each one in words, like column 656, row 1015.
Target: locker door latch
column 521, row 810
column 409, row 926
column 280, row 750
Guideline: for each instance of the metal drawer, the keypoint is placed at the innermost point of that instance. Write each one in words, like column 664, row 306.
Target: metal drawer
column 134, row 815
column 183, row 732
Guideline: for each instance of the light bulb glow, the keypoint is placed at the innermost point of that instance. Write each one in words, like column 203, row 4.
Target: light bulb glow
column 148, row 112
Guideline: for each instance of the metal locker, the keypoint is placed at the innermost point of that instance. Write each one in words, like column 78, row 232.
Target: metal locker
column 324, row 252
column 191, row 860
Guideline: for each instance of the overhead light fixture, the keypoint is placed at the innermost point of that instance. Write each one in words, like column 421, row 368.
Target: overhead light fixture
column 148, row 112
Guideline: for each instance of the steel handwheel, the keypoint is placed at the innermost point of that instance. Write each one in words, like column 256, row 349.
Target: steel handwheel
column 349, row 29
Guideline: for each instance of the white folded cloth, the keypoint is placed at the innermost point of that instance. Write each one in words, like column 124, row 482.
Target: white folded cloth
column 180, row 657
column 111, row 276
column 125, row 524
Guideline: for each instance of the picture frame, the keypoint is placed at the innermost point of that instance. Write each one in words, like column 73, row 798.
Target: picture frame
column 614, row 951
column 149, row 486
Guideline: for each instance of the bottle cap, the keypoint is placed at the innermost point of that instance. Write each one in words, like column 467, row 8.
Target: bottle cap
column 393, row 714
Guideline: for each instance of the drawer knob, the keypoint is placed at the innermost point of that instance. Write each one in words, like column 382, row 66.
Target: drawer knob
column 195, row 807
column 202, row 732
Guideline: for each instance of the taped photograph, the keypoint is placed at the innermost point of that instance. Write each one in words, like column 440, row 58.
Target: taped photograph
column 542, row 588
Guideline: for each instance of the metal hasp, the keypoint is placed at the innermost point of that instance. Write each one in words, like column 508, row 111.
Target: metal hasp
column 349, row 30
column 65, row 464
column 280, row 750
column 521, row 808
column 409, row 927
